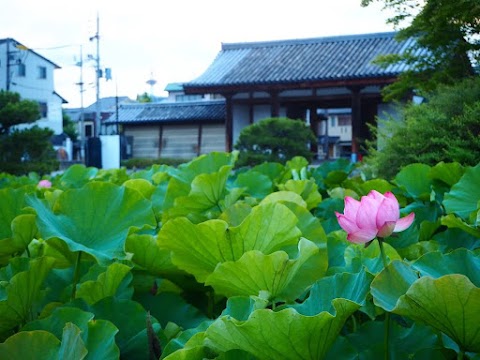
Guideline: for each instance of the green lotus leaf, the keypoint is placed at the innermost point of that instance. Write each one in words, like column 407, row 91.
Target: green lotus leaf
column 204, row 164
column 129, row 317
column 341, row 192
column 281, row 335
column 95, row 219
column 31, row 345
column 203, row 200
column 23, row 231
column 297, row 163
column 463, row 197
column 335, row 178
column 392, row 283
column 414, row 180
column 358, row 256
column 460, row 261
column 325, row 211
column 179, row 311
column 453, row 221
column 189, row 344
column 454, row 238
column 283, row 278
column 77, row 176
column 112, row 282
column 416, row 342
column 344, row 165
column 166, row 192
column 310, row 226
column 20, row 285
column 256, row 184
column 198, row 248
column 449, row 303
column 152, row 172
column 72, row 346
column 11, row 205
column 414, row 251
column 273, row 170
column 284, row 196
column 235, row 214
column 353, row 287
column 241, row 307
column 269, row 227
column 307, row 189
column 448, row 173
column 148, row 255
column 98, row 336
column 381, row 185
column 143, row 186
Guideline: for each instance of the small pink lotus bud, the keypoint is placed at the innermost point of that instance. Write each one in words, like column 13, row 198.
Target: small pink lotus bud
column 46, row 184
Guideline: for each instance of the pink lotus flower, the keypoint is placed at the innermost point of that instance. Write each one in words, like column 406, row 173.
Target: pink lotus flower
column 375, row 215
column 46, row 184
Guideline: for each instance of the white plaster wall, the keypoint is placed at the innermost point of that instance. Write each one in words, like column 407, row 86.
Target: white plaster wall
column 110, row 151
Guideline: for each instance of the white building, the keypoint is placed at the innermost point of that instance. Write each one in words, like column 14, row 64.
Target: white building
column 335, row 133
column 28, row 73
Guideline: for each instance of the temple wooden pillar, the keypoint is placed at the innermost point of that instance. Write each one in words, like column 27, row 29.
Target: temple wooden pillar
column 228, row 122
column 356, row 121
column 275, row 104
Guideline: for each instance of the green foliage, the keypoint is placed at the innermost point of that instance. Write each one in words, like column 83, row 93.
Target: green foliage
column 446, row 41
column 69, row 127
column 444, row 128
column 23, row 151
column 274, row 140
column 144, row 98
column 28, row 150
column 143, row 163
column 14, row 111
column 201, row 261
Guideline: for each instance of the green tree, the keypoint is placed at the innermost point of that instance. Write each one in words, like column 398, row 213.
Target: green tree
column 69, row 127
column 23, row 151
column 444, row 128
column 274, row 140
column 446, row 34
column 144, row 98
column 14, row 111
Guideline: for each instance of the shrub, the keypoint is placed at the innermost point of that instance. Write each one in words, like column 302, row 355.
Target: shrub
column 142, row 163
column 274, row 140
column 444, row 128
column 29, row 150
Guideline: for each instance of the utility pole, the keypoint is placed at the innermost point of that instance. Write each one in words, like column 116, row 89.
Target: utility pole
column 82, row 112
column 98, row 75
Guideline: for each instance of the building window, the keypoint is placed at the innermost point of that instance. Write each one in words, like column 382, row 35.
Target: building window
column 42, row 72
column 332, row 121
column 43, row 108
column 344, row 120
column 88, row 130
column 22, row 70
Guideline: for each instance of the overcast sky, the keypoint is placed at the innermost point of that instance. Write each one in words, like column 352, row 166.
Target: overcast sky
column 175, row 41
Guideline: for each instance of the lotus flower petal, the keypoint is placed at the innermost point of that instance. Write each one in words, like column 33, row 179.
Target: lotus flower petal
column 405, row 222
column 362, row 236
column 348, row 225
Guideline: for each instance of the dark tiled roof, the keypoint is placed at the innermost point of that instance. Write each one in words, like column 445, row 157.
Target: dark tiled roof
column 170, row 112
column 108, row 103
column 302, row 60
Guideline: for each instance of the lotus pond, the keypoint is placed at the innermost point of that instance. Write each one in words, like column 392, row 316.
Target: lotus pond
column 205, row 261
